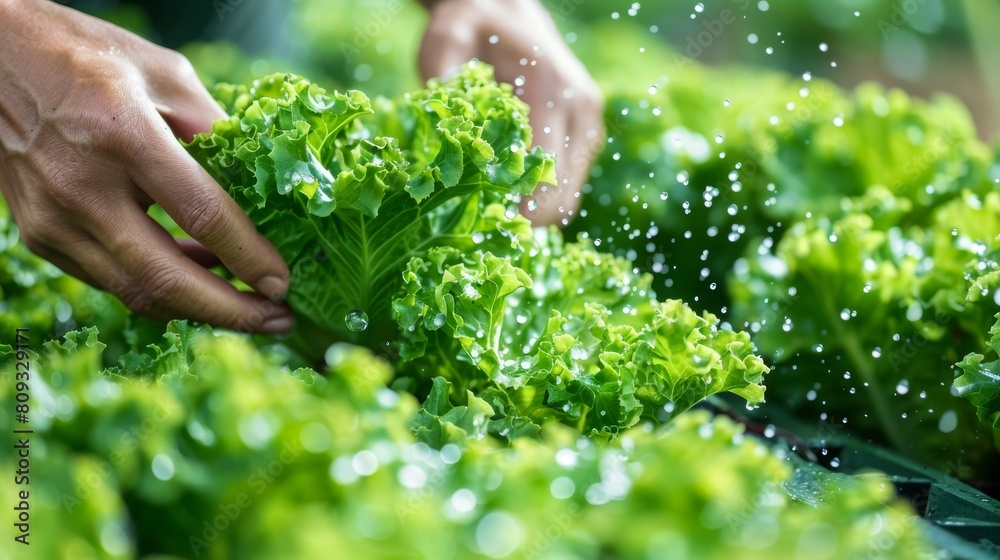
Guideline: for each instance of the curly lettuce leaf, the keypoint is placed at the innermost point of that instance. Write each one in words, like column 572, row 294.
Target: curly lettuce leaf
column 979, row 381
column 349, row 193
column 280, row 464
column 865, row 316
column 439, row 422
column 580, row 339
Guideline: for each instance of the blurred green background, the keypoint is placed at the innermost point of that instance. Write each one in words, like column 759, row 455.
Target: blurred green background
column 922, row 46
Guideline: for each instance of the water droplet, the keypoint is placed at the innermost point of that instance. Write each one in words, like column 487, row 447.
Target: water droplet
column 357, row 320
column 365, row 463
column 499, row 534
column 948, row 422
column 463, row 500
column 163, row 467
column 903, row 387
column 562, row 488
column 412, row 477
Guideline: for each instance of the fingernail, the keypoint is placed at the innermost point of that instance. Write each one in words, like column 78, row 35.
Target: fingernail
column 277, row 325
column 273, row 288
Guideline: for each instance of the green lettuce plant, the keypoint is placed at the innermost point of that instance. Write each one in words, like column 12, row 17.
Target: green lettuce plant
column 397, row 220
column 211, row 448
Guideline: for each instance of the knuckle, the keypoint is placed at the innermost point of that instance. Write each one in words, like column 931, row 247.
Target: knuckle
column 161, row 282
column 251, row 321
column 66, row 185
column 118, row 284
column 180, row 66
column 202, row 215
column 119, row 129
column 592, row 99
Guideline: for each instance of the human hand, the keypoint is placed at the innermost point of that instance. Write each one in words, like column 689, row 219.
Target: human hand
column 520, row 40
column 89, row 115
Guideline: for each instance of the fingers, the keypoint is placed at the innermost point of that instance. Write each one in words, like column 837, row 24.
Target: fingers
column 198, row 253
column 576, row 137
column 448, row 43
column 586, row 139
column 549, row 126
column 179, row 96
column 148, row 270
column 201, row 208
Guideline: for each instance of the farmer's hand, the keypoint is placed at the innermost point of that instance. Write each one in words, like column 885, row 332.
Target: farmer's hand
column 519, row 38
column 89, row 115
